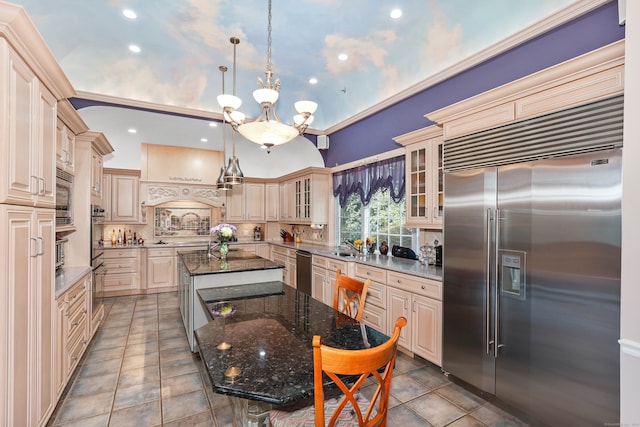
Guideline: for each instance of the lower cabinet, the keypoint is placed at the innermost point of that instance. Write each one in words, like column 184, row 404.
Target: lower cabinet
column 73, row 330
column 263, row 250
column 27, row 269
column 123, row 271
column 323, row 281
column 161, row 270
column 375, row 309
column 420, row 301
column 286, row 257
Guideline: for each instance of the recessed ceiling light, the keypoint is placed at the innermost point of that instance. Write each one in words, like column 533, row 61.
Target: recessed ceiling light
column 213, row 124
column 134, row 48
column 313, row 80
column 128, row 13
column 343, row 57
column 132, row 130
column 203, row 140
column 395, row 13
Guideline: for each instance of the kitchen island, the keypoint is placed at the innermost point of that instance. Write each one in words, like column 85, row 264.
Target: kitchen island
column 198, row 270
column 257, row 348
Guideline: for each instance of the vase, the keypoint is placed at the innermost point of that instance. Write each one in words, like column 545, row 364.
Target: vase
column 224, row 249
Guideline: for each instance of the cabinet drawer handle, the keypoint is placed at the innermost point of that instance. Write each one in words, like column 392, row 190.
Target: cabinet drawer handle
column 423, row 287
column 76, row 323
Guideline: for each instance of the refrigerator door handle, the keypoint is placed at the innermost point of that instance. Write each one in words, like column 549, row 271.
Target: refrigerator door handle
column 496, row 293
column 488, row 225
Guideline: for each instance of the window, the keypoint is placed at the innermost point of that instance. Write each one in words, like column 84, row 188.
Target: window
column 382, row 219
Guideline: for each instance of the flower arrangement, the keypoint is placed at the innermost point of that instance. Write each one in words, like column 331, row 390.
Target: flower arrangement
column 224, row 232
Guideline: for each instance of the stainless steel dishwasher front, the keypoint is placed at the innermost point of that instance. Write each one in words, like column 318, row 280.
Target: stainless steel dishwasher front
column 303, row 271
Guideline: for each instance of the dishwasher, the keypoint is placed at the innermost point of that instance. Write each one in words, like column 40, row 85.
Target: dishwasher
column 303, row 271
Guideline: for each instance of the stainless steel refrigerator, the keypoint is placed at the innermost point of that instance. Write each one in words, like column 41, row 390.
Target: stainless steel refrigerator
column 532, row 284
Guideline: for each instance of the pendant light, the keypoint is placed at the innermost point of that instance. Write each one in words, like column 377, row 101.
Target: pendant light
column 221, row 183
column 233, row 175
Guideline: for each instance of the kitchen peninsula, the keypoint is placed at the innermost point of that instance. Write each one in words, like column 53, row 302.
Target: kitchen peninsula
column 198, row 270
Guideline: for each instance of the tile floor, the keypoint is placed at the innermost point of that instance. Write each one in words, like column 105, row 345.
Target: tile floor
column 138, row 371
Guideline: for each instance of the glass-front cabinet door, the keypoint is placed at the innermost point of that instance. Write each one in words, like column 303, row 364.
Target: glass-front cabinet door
column 417, row 175
column 424, row 177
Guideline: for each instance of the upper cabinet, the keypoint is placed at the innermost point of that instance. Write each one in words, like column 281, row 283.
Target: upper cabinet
column 121, row 196
column 272, row 201
column 424, row 177
column 246, row 202
column 69, row 125
column 27, row 129
column 180, row 165
column 304, row 197
column 96, row 146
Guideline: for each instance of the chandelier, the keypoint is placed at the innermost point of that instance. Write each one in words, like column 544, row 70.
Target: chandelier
column 267, row 129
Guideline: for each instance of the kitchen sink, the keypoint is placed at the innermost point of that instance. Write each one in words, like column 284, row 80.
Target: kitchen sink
column 344, row 254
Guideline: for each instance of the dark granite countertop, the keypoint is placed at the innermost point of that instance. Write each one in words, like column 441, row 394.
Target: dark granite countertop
column 199, row 263
column 270, row 327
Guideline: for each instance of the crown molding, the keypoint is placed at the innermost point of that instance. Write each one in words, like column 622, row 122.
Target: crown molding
column 21, row 34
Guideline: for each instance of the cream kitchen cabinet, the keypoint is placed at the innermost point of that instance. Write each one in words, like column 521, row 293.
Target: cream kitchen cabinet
column 420, row 301
column 91, row 147
column 272, row 201
column 246, row 202
column 161, row 270
column 304, row 196
column 310, row 202
column 65, row 147
column 424, row 177
column 375, row 309
column 263, row 250
column 123, row 271
column 27, row 314
column 27, row 130
column 121, row 196
column 285, row 201
column 73, row 330
column 323, row 280
column 287, row 258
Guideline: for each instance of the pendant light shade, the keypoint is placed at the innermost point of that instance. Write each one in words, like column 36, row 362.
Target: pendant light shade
column 233, row 175
column 221, row 183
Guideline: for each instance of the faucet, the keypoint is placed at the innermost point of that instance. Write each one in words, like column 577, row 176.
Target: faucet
column 211, row 246
column 350, row 245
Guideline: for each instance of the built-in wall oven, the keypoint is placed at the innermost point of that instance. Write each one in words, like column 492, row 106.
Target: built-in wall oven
column 97, row 258
column 64, row 198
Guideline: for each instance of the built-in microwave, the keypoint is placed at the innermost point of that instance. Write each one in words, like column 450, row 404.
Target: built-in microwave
column 64, row 197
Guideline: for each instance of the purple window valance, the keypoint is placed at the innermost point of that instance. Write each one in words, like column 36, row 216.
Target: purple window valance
column 366, row 180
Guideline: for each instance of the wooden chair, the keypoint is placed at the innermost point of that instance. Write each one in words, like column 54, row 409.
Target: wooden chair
column 352, row 408
column 349, row 295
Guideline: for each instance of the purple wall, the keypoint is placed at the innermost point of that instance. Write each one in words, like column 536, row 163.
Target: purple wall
column 374, row 134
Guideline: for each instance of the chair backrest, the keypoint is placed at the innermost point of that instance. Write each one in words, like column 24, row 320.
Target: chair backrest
column 349, row 295
column 377, row 362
